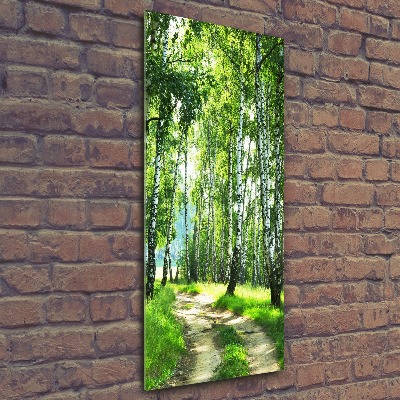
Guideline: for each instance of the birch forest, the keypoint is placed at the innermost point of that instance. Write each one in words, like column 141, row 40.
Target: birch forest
column 213, row 156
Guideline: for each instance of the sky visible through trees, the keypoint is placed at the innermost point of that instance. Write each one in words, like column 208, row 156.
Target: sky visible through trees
column 214, row 155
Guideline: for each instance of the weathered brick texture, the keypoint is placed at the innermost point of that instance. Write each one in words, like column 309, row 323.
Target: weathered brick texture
column 71, row 198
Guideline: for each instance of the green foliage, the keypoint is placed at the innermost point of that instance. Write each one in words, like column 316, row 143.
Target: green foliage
column 164, row 343
column 234, row 360
column 256, row 305
column 191, row 288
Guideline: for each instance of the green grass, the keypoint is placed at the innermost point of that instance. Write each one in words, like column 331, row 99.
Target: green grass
column 255, row 304
column 234, row 360
column 248, row 301
column 164, row 343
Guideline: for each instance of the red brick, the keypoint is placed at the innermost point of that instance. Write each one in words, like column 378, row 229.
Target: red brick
column 4, row 346
column 391, row 149
column 300, row 192
column 329, row 92
column 373, row 390
column 379, row 26
column 391, row 363
column 360, row 194
column 85, row 4
column 344, row 43
column 27, row 279
column 321, row 295
column 37, row 116
column 300, row 61
column 322, row 168
column 352, row 118
column 71, row 308
column 72, row 87
column 93, row 278
column 292, row 296
column 296, row 113
column 45, row 19
column 11, row 15
column 99, row 122
column 119, row 338
column 90, row 28
column 108, row 214
column 127, row 246
column 393, row 388
column 367, row 367
column 304, row 35
column 53, row 344
column 310, row 270
column 301, row 244
column 350, row 3
column 235, row 19
column 31, row 82
column 17, row 148
column 258, row 6
column 127, row 34
column 340, row 244
column 311, row 374
column 316, row 217
column 49, row 246
column 375, row 316
column 63, row 151
column 295, row 166
column 363, row 291
column 353, row 143
column 344, row 219
column 390, row 9
column 13, row 245
column 108, row 308
column 121, row 63
column 354, row 19
column 19, row 213
column 134, row 122
column 24, row 382
column 136, row 301
column 376, row 170
column 336, row 67
column 387, row 195
column 127, row 7
column 294, row 324
column 381, row 244
column 379, row 122
column 349, row 168
column 351, row 268
column 63, row 213
column 304, row 140
column 384, row 50
column 370, row 219
column 385, row 75
column 292, row 86
column 186, row 10
column 392, row 218
column 360, row 343
column 96, row 373
column 327, row 115
column 116, row 92
column 107, row 153
column 137, row 154
column 309, row 350
column 39, row 52
column 337, row 371
column 19, row 311
column 309, row 11
column 137, row 216
column 395, row 29
column 394, row 271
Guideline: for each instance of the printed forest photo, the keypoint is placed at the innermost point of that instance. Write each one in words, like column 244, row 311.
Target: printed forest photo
column 214, row 174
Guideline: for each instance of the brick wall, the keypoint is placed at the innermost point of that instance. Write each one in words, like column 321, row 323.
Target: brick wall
column 71, row 198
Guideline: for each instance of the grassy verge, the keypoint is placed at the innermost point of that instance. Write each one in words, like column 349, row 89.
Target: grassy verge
column 251, row 302
column 234, row 359
column 164, row 343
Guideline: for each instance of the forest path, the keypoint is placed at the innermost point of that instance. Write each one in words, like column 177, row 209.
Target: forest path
column 201, row 322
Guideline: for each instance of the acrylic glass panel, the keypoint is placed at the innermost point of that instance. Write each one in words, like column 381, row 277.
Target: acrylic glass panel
column 213, row 202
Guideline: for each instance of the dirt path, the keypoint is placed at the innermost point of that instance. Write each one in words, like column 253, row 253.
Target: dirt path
column 201, row 321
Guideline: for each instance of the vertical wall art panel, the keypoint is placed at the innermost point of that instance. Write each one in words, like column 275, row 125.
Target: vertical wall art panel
column 214, row 202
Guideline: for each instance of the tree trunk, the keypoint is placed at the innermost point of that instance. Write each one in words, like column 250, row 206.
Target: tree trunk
column 238, row 244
